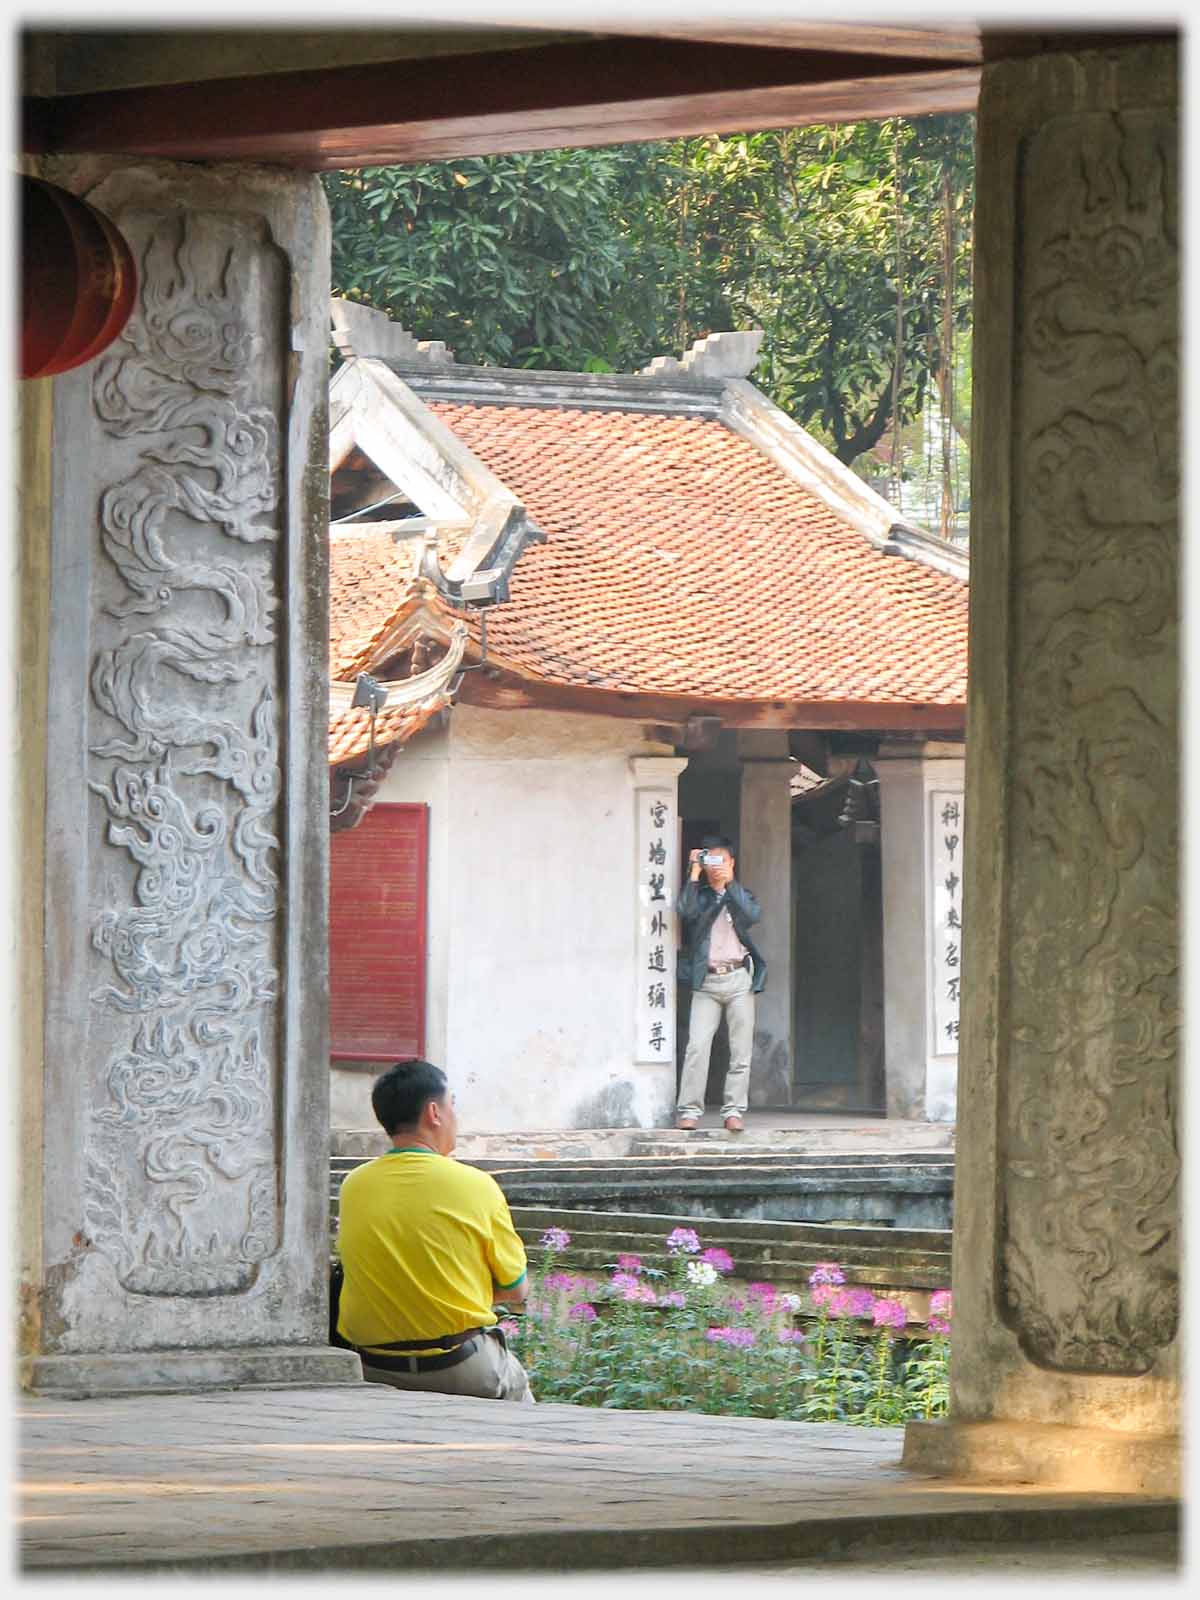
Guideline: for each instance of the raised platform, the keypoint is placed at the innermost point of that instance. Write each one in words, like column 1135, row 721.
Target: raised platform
column 368, row 1479
column 768, row 1130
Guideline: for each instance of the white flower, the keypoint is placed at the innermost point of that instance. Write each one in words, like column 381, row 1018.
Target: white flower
column 701, row 1273
column 791, row 1301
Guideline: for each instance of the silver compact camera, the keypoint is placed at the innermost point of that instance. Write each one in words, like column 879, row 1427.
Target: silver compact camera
column 709, row 858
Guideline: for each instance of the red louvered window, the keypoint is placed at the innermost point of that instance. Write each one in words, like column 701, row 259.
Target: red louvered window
column 377, row 874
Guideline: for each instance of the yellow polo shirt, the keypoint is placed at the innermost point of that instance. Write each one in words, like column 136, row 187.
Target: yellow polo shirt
column 423, row 1241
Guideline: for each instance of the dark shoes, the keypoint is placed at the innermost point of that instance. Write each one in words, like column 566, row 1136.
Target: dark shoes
column 734, row 1125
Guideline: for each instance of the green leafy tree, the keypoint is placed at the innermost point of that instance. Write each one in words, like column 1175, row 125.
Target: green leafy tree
column 850, row 246
column 511, row 260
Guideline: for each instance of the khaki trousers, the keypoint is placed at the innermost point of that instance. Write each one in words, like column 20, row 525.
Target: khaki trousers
column 728, row 993
column 490, row 1372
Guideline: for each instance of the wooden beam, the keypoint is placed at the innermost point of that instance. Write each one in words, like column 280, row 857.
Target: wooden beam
column 504, row 691
column 583, row 93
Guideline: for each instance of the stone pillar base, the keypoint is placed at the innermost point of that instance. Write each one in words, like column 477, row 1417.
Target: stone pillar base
column 1096, row 1460
column 82, row 1377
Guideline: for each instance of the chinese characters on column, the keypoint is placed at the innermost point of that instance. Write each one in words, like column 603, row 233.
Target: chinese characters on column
column 654, row 957
column 945, row 856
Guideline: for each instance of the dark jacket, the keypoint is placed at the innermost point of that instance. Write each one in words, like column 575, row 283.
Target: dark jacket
column 698, row 907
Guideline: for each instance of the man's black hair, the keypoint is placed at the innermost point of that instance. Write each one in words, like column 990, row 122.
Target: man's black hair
column 402, row 1092
column 718, row 841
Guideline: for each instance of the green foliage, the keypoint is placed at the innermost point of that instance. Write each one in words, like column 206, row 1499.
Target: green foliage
column 597, row 260
column 652, row 1337
column 511, row 260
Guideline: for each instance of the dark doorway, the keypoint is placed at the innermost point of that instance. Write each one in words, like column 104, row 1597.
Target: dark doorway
column 838, row 955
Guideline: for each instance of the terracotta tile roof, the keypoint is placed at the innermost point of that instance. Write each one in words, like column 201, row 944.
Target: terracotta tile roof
column 680, row 560
column 350, row 733
column 369, row 574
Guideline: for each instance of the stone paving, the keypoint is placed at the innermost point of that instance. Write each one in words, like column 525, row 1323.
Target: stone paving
column 364, row 1477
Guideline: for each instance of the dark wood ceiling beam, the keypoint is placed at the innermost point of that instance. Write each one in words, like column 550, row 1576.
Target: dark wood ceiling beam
column 595, row 92
column 503, row 690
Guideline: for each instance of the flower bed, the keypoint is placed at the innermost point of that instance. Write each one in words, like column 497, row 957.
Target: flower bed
column 672, row 1334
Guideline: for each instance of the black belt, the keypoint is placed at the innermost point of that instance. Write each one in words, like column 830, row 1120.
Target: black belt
column 466, row 1343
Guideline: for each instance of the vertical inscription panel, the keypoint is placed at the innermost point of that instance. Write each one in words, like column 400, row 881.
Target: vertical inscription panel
column 656, row 936
column 1089, row 1164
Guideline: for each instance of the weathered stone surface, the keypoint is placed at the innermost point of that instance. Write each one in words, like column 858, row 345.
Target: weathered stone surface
column 369, row 1478
column 186, row 1086
column 1088, row 1459
column 1089, row 1162
column 1067, row 1190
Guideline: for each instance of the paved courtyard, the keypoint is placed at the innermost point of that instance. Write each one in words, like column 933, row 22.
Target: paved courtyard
column 364, row 1478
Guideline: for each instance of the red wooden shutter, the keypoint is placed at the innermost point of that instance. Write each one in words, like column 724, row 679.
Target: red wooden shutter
column 377, row 878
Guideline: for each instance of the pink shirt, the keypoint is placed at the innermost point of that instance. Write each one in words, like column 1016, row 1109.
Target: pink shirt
column 724, row 944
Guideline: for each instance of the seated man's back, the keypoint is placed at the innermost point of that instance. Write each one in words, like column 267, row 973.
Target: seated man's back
column 423, row 1241
column 428, row 1249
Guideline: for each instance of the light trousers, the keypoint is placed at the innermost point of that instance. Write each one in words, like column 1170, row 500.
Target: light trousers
column 727, row 994
column 490, row 1372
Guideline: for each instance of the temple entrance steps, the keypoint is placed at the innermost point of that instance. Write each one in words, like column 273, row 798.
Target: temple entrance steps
column 906, row 1264
column 913, row 1190
column 778, row 1207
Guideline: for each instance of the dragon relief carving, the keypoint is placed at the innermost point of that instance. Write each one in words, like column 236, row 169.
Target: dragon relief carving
column 1088, row 1268
column 182, row 1194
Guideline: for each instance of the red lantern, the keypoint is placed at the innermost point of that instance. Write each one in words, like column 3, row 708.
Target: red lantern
column 78, row 283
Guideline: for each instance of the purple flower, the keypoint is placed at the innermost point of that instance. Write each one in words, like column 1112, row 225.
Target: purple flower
column 583, row 1312
column 736, row 1303
column 740, row 1338
column 721, row 1259
column 940, row 1308
column 673, row 1298
column 562, row 1282
column 791, row 1336
column 683, row 1239
column 641, row 1292
column 826, row 1272
column 555, row 1239
column 630, row 1263
column 888, row 1314
column 852, row 1303
column 623, row 1281
column 510, row 1327
column 765, row 1292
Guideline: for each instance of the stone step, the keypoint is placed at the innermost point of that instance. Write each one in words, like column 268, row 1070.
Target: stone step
column 707, row 1161
column 789, row 1133
column 907, row 1264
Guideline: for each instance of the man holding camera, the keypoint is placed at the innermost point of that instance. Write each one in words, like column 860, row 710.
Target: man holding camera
column 719, row 963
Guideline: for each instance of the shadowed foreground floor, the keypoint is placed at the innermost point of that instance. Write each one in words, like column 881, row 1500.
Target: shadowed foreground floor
column 363, row 1477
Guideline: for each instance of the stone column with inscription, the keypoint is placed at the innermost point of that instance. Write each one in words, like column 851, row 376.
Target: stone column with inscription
column 922, row 841
column 174, row 1037
column 1066, row 1339
column 657, row 874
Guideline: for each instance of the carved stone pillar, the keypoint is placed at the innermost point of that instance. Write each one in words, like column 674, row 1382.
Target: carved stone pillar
column 1067, row 1190
column 175, row 1102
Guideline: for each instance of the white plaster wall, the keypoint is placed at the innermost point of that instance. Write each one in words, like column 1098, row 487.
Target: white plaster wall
column 530, row 1002
column 922, row 1080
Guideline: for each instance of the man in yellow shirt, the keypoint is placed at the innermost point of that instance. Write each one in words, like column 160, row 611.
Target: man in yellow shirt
column 428, row 1248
